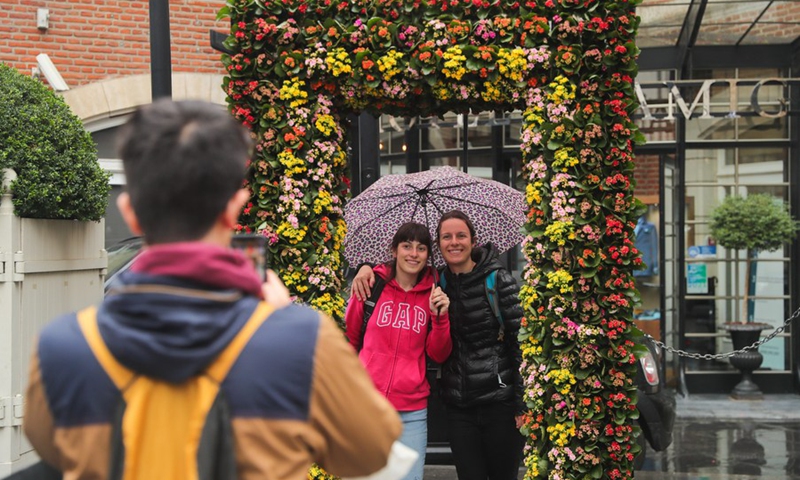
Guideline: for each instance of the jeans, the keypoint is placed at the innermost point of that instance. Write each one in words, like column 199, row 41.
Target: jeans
column 415, row 437
column 485, row 441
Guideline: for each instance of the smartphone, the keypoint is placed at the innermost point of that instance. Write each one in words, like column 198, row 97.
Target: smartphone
column 254, row 247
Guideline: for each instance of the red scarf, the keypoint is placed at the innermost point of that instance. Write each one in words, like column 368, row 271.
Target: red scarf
column 205, row 263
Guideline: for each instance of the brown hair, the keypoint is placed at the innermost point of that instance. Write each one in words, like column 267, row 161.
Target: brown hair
column 458, row 215
column 411, row 232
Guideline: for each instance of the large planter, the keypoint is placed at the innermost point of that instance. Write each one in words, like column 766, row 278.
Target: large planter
column 743, row 335
column 47, row 268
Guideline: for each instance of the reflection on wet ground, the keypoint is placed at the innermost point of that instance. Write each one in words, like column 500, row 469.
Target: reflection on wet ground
column 728, row 449
column 718, row 438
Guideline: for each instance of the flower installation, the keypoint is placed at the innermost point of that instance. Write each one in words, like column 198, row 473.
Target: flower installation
column 298, row 68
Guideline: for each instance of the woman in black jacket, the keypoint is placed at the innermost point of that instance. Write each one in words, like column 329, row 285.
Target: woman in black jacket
column 481, row 386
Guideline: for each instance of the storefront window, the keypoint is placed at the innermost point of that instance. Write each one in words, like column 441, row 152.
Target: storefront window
column 392, row 135
column 715, row 276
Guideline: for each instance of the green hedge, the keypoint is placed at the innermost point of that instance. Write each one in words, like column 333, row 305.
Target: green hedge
column 55, row 158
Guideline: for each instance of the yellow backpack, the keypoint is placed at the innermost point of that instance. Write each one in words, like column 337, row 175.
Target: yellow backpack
column 165, row 430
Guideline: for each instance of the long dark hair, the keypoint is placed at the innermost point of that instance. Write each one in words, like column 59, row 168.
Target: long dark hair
column 411, row 232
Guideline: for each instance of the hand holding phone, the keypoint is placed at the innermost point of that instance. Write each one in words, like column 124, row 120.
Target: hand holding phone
column 275, row 292
column 254, row 247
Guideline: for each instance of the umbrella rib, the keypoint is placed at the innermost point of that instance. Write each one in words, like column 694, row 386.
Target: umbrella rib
column 449, row 187
column 365, row 224
column 388, row 195
column 472, row 202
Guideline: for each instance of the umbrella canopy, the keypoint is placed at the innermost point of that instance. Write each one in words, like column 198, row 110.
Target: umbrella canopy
column 497, row 211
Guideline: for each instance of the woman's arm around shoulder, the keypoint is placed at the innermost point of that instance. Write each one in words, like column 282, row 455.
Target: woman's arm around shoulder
column 354, row 320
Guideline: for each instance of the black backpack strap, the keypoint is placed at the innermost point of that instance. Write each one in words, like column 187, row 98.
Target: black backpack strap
column 369, row 307
column 494, row 301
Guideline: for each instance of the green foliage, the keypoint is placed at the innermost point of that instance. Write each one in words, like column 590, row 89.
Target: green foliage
column 756, row 222
column 58, row 176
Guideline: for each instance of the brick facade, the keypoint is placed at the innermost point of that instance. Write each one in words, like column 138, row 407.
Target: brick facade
column 93, row 40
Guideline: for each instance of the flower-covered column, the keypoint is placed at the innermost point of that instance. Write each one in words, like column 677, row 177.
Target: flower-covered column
column 298, row 173
column 578, row 353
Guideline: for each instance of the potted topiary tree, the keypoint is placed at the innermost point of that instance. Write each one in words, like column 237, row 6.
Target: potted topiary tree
column 754, row 223
column 53, row 194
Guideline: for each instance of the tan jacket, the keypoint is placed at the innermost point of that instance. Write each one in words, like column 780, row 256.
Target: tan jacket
column 297, row 395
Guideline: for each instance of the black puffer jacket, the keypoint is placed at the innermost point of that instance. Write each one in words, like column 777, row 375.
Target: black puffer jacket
column 469, row 375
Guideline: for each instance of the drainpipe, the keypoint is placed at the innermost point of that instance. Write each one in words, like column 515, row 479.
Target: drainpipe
column 160, row 59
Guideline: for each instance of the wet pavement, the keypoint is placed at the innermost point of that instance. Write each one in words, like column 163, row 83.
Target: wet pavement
column 720, row 449
column 718, row 438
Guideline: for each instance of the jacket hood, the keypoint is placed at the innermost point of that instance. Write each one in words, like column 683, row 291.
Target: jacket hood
column 486, row 258
column 177, row 308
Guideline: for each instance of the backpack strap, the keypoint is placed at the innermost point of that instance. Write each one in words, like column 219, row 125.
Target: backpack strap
column 119, row 374
column 369, row 307
column 494, row 301
column 219, row 368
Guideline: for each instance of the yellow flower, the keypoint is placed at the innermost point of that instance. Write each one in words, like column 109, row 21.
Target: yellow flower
column 441, row 91
column 339, row 158
column 387, row 64
column 564, row 158
column 528, row 295
column 533, row 192
column 322, row 202
column 512, row 63
column 325, row 124
column 560, row 433
column 454, row 63
column 294, row 90
column 294, row 235
column 559, row 232
column 293, row 164
column 330, row 304
column 491, row 93
column 560, row 91
column 561, row 280
column 338, row 62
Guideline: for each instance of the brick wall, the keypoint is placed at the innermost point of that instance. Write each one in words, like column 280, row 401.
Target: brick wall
column 92, row 40
column 646, row 174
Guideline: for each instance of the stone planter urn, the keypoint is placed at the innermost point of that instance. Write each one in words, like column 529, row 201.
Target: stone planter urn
column 755, row 223
column 743, row 335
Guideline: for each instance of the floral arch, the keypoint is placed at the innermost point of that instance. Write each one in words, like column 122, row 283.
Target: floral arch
column 298, row 67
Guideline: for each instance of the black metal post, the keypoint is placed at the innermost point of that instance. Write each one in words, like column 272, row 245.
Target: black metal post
column 370, row 155
column 160, row 57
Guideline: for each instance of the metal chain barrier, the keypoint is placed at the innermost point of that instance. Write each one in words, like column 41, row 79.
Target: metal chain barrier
column 719, row 356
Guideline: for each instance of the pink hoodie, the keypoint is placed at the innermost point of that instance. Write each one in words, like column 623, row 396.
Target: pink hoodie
column 398, row 338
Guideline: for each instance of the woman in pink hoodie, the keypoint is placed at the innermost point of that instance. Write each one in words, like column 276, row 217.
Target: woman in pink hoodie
column 409, row 322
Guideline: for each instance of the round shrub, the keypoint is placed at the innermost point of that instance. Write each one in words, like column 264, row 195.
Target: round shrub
column 755, row 222
column 55, row 158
